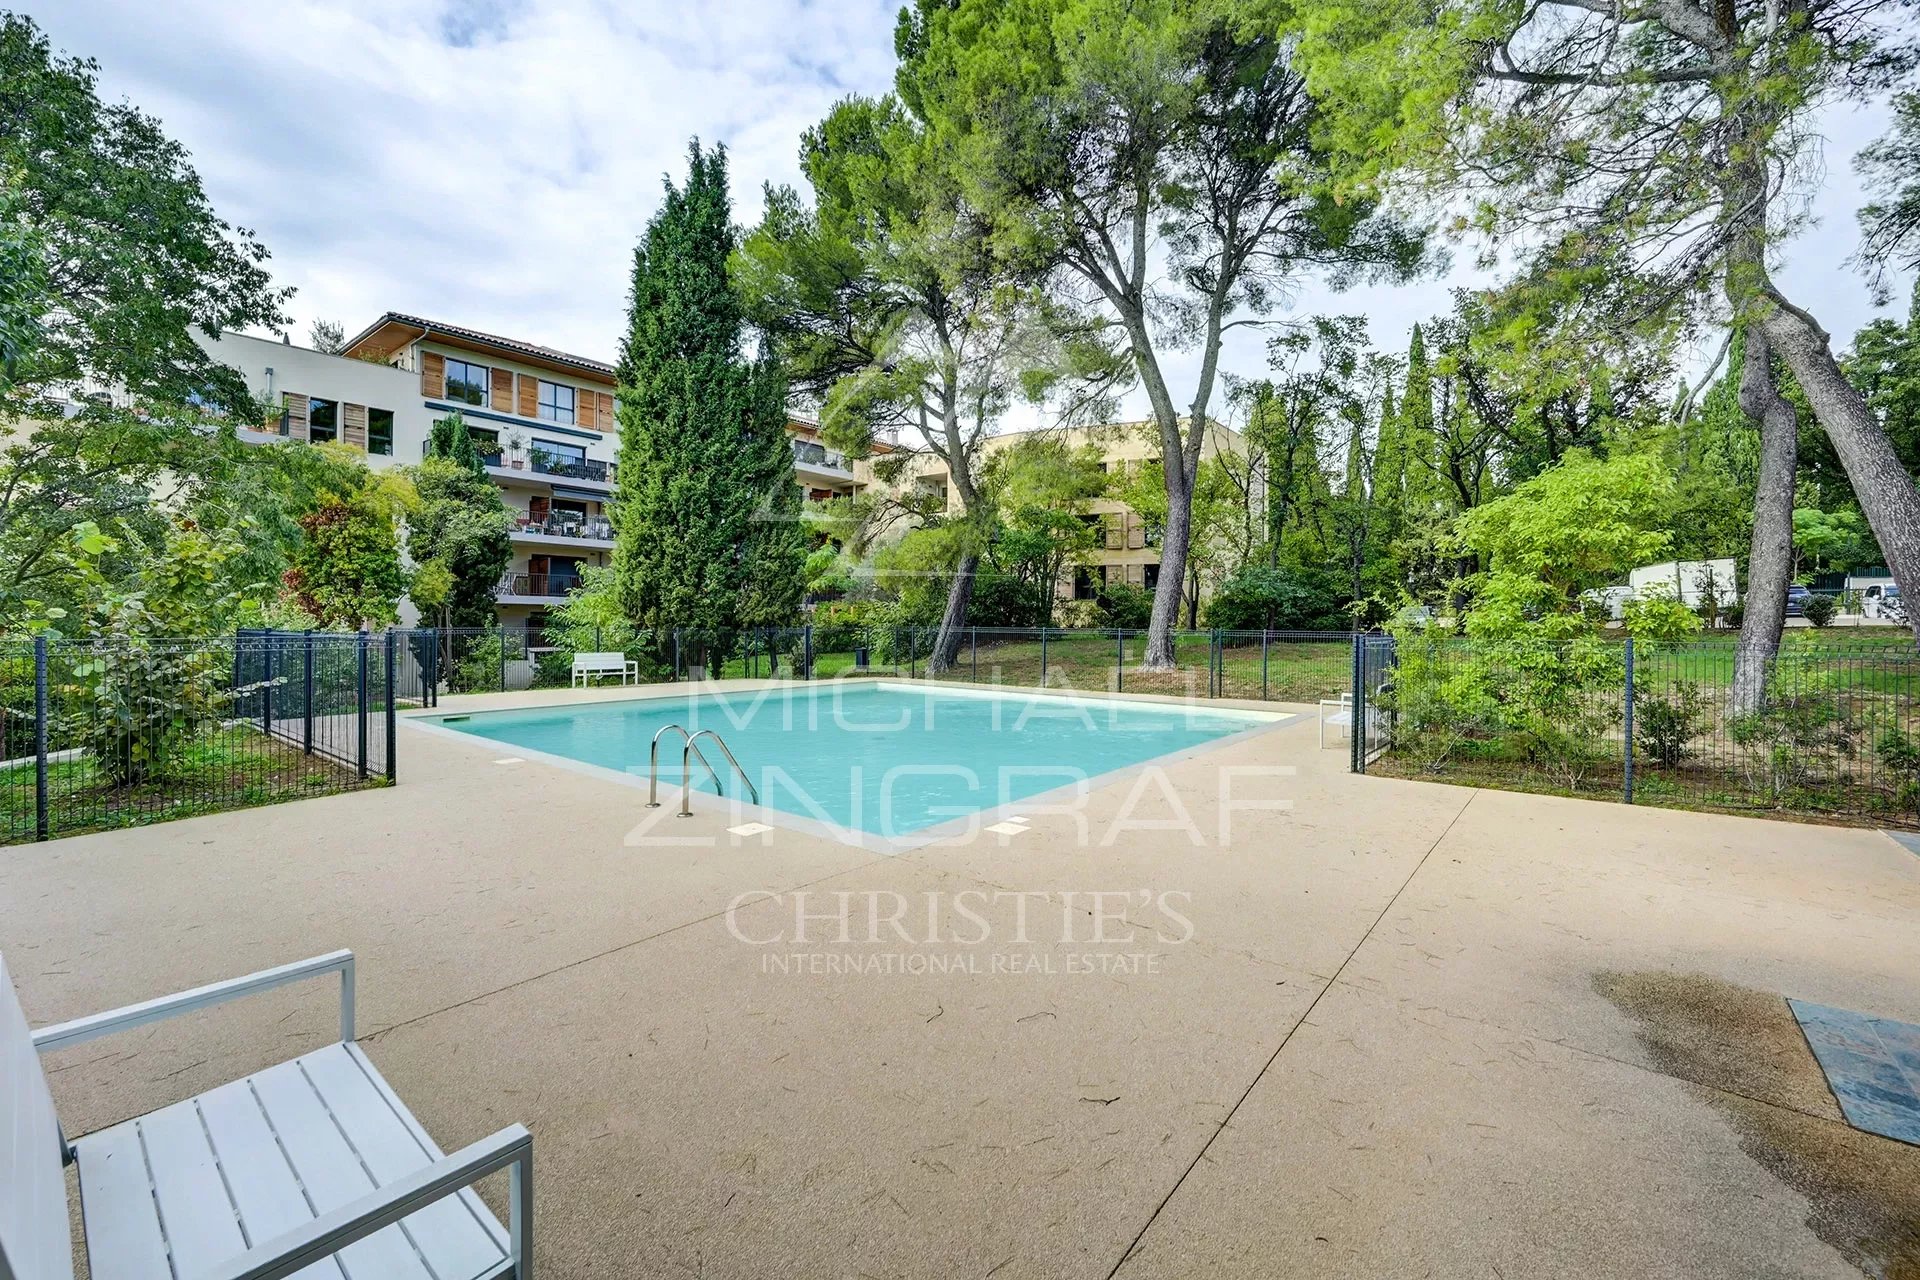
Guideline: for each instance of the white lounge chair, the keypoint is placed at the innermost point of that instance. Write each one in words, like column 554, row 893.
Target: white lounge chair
column 588, row 665
column 1341, row 717
column 274, row 1174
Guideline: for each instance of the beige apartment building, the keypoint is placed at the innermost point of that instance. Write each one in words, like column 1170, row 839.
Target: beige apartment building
column 1127, row 550
column 542, row 418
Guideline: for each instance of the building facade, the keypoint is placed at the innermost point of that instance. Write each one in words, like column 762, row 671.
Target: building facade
column 1127, row 549
column 543, row 420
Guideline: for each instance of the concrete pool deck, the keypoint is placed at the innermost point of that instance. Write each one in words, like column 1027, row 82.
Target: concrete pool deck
column 1416, row 1029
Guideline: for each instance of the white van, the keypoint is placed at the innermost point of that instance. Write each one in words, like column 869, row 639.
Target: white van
column 1882, row 601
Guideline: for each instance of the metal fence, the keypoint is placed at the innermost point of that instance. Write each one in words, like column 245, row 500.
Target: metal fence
column 1277, row 666
column 125, row 731
column 1837, row 730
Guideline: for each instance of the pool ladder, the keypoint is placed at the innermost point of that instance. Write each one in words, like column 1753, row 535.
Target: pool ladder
column 687, row 753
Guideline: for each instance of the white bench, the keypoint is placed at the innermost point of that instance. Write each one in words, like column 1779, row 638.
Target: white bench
column 588, row 665
column 314, row 1166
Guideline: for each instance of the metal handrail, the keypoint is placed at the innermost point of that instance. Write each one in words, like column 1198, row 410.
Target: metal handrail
column 686, row 770
column 653, row 765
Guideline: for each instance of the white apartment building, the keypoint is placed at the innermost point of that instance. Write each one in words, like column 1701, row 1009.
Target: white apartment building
column 542, row 418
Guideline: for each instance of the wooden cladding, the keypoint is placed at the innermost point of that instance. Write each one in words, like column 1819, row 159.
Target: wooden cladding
column 502, row 393
column 433, row 375
column 529, row 396
column 594, row 409
column 353, row 426
column 296, row 415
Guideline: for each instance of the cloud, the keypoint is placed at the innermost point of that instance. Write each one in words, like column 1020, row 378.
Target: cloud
column 492, row 162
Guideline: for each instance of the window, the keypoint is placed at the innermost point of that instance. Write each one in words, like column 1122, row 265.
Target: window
column 466, row 383
column 380, row 431
column 323, row 419
column 1151, row 578
column 560, row 453
column 556, row 403
column 1085, row 585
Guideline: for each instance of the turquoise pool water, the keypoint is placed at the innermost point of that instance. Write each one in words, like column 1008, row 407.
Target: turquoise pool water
column 885, row 759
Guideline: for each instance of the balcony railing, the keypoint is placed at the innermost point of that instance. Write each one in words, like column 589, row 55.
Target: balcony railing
column 818, row 455
column 538, row 584
column 567, row 525
column 554, row 464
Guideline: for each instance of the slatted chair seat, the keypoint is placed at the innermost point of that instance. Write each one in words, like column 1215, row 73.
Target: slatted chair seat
column 313, row 1167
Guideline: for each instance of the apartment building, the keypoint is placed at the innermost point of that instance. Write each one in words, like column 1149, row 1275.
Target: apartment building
column 542, row 418
column 1126, row 549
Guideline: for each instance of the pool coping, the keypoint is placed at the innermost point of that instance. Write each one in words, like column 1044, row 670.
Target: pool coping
column 954, row 831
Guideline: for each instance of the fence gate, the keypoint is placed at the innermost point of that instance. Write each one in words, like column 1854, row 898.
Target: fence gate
column 1373, row 664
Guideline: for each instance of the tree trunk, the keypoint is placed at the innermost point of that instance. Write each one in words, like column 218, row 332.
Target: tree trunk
column 1885, row 490
column 953, row 622
column 1167, row 592
column 1770, row 557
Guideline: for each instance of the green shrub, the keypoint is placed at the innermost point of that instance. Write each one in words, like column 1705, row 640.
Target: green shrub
column 1900, row 756
column 477, row 667
column 1734, row 614
column 1124, row 605
column 1259, row 598
column 1803, row 732
column 1002, row 600
column 1658, row 616
column 1819, row 610
column 1665, row 724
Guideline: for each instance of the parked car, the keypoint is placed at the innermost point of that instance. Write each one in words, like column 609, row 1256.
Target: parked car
column 1882, row 600
column 1892, row 606
column 1797, row 597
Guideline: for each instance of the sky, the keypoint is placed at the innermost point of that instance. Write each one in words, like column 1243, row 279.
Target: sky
column 492, row 163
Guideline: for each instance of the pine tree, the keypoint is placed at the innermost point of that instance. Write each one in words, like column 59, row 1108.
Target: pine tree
column 706, row 505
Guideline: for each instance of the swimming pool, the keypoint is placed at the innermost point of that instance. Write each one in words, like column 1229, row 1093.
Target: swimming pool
column 886, row 759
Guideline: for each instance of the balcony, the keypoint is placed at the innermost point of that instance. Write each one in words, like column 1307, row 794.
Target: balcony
column 566, row 525
column 541, row 462
column 535, row 586
column 554, row 464
column 811, row 458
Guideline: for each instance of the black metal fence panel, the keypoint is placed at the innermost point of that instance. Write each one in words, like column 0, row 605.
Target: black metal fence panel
column 1277, row 666
column 1836, row 730
column 124, row 731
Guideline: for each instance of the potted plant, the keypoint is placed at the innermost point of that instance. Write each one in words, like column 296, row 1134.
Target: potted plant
column 516, row 450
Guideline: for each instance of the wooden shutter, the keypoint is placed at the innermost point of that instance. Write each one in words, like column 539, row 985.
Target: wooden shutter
column 433, row 375
column 529, row 396
column 584, row 404
column 296, row 416
column 354, row 427
column 606, row 411
column 1114, row 530
column 503, row 390
column 537, row 507
column 1136, row 532
column 1137, row 574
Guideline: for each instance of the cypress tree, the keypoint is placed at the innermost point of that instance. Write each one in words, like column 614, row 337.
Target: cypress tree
column 449, row 438
column 705, row 503
column 1390, row 466
column 1423, row 492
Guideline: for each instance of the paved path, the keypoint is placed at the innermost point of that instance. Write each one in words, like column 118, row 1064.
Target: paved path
column 1416, row 1029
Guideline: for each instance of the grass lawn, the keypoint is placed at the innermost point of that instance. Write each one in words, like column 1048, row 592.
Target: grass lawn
column 229, row 767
